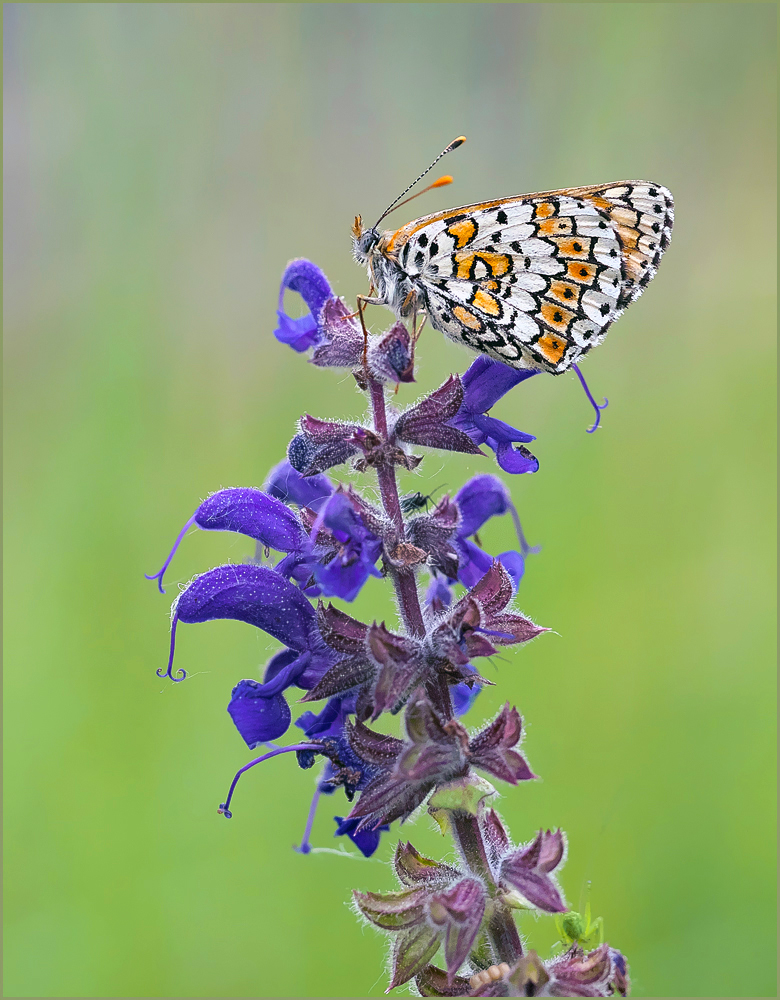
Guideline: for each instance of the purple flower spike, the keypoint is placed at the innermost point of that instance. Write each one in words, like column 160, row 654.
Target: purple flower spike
column 366, row 841
column 248, row 512
column 593, row 402
column 485, row 382
column 288, row 485
column 311, row 284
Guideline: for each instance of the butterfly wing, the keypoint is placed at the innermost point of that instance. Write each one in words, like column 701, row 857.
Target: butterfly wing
column 537, row 280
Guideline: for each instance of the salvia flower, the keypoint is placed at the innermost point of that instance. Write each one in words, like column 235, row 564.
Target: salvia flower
column 481, row 498
column 334, row 333
column 485, row 382
column 248, row 512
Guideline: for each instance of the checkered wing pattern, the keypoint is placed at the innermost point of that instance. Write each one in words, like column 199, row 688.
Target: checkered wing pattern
column 537, row 280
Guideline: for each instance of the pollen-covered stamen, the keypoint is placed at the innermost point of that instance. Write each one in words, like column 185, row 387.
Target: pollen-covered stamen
column 167, row 671
column 593, row 402
column 224, row 807
column 159, row 575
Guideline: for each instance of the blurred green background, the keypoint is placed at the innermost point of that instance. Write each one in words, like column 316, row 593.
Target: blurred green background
column 163, row 163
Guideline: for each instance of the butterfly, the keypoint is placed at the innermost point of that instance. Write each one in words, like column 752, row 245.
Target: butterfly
column 533, row 280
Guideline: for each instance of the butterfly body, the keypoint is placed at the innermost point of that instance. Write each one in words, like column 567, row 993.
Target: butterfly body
column 534, row 281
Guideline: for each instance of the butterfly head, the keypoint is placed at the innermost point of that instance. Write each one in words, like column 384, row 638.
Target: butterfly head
column 363, row 241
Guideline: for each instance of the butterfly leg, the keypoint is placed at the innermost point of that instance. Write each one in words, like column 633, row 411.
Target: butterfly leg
column 362, row 302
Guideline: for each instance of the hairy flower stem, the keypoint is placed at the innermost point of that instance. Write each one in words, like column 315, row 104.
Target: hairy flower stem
column 403, row 580
column 501, row 928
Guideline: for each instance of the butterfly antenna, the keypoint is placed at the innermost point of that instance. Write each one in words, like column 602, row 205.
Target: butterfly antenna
column 453, row 145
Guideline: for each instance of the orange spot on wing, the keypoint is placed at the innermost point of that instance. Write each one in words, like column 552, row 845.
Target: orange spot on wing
column 499, row 263
column 467, row 318
column 573, row 246
column 487, row 303
column 556, row 316
column 551, row 347
column 545, row 210
column 564, row 292
column 554, row 227
column 581, row 272
column 464, row 263
column 462, row 232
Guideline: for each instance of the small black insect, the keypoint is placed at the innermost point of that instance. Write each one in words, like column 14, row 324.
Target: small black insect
column 416, row 501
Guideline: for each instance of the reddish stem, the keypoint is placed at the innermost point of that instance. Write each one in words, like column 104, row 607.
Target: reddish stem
column 403, row 580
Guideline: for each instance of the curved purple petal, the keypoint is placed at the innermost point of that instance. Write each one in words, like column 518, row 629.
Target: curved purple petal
column 254, row 513
column 258, row 715
column 514, row 460
column 481, row 498
column 309, row 281
column 486, row 381
column 300, row 334
column 343, row 580
column 288, row 485
column 497, row 429
column 253, row 594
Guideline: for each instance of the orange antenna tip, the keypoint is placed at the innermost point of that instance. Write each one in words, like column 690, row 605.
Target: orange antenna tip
column 442, row 181
column 456, row 142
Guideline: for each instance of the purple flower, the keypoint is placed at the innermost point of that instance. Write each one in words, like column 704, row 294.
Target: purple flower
column 288, row 485
column 249, row 512
column 481, row 498
column 351, row 549
column 485, row 382
column 310, row 282
column 366, row 841
column 259, row 596
column 331, row 328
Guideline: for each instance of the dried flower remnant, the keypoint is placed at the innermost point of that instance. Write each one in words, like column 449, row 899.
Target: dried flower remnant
column 453, row 929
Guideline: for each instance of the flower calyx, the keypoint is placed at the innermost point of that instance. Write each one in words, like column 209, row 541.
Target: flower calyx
column 439, row 906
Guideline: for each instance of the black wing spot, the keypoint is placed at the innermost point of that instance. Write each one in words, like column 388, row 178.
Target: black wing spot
column 516, row 247
column 613, row 252
column 656, row 227
column 602, row 225
column 567, row 293
column 604, row 308
column 496, row 237
column 584, row 271
column 652, row 192
column 558, row 317
column 577, row 247
column 434, row 248
column 501, row 218
column 422, row 240
column 659, row 208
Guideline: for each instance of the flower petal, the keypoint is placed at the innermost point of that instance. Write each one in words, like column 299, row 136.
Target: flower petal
column 253, row 594
column 288, row 485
